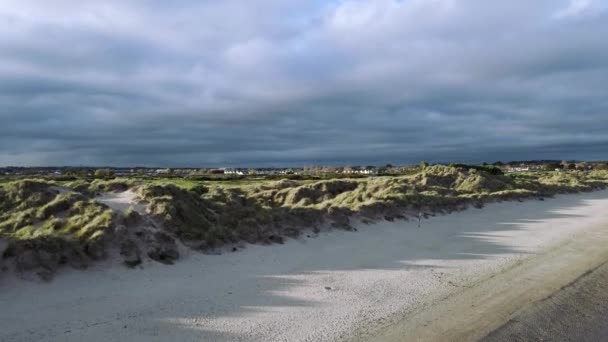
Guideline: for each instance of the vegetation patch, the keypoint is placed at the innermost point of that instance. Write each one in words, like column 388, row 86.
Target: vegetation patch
column 47, row 224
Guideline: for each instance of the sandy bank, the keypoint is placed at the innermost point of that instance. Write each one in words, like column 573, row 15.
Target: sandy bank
column 339, row 286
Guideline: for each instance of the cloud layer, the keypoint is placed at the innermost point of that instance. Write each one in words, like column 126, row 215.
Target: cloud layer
column 274, row 82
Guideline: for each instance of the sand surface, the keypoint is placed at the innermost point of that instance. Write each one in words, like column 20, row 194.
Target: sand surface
column 485, row 305
column 121, row 201
column 578, row 312
column 339, row 285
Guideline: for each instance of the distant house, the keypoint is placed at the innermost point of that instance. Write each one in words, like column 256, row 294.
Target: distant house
column 235, row 171
column 519, row 169
column 262, row 171
column 123, row 171
column 265, row 171
column 290, row 171
column 368, row 171
column 360, row 171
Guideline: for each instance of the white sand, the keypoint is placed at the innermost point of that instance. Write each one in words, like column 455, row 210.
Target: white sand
column 121, row 201
column 278, row 293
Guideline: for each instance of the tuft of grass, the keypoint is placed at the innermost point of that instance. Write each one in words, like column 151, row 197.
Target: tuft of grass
column 61, row 203
column 113, row 185
column 32, row 209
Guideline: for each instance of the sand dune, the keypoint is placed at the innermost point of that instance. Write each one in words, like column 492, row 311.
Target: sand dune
column 341, row 285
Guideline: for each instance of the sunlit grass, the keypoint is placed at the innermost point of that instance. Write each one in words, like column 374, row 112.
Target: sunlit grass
column 226, row 210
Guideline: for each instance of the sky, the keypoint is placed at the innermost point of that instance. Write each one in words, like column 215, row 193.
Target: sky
column 195, row 83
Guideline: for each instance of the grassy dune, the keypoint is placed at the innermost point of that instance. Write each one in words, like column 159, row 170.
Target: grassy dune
column 45, row 224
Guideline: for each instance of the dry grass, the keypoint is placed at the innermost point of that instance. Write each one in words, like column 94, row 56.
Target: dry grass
column 216, row 215
column 208, row 215
column 45, row 227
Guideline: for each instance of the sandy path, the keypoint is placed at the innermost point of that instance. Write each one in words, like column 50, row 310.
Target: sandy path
column 121, row 201
column 325, row 288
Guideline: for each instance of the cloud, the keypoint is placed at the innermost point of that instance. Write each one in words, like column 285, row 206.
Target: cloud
column 574, row 8
column 301, row 82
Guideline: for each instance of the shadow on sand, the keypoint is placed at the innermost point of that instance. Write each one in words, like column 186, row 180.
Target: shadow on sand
column 180, row 302
column 473, row 234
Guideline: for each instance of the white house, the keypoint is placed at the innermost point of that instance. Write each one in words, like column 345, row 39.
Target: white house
column 234, row 171
column 361, row 171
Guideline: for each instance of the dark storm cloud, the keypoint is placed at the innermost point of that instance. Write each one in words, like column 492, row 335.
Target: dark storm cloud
column 196, row 83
